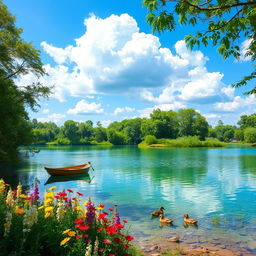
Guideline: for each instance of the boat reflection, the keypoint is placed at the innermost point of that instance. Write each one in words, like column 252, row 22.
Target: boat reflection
column 82, row 177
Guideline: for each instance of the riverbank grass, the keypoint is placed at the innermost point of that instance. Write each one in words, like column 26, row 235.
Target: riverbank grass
column 182, row 142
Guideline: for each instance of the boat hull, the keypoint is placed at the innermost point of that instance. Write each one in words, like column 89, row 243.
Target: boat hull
column 70, row 170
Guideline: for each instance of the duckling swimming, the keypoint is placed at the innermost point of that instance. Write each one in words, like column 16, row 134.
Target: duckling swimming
column 189, row 220
column 165, row 220
column 157, row 213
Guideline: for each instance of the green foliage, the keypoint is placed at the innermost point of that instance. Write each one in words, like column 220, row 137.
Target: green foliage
column 250, row 135
column 116, row 138
column 222, row 23
column 224, row 132
column 239, row 134
column 247, row 121
column 150, row 139
column 17, row 57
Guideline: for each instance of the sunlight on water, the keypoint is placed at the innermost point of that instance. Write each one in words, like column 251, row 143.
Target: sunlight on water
column 217, row 186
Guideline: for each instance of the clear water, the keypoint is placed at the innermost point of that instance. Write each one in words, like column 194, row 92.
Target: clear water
column 216, row 186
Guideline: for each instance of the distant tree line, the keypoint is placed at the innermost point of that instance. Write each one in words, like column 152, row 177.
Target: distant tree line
column 160, row 125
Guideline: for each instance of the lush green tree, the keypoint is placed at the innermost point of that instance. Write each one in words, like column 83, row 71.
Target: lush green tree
column 165, row 123
column 100, row 134
column 222, row 23
column 247, row 121
column 85, row 130
column 17, row 58
column 133, row 131
column 192, row 123
column 250, row 135
column 239, row 134
column 115, row 137
column 225, row 132
column 212, row 133
column 70, row 130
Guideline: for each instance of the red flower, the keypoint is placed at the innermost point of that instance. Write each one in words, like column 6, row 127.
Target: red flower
column 14, row 191
column 105, row 213
column 101, row 216
column 111, row 230
column 78, row 236
column 70, row 190
column 126, row 246
column 83, row 227
column 62, row 194
column 111, row 254
column 78, row 221
column 125, row 221
column 119, row 226
column 74, row 198
column 57, row 197
column 99, row 229
column 80, row 194
column 107, row 241
column 101, row 250
column 29, row 198
column 129, row 238
column 111, row 209
column 101, row 205
column 117, row 240
column 85, row 235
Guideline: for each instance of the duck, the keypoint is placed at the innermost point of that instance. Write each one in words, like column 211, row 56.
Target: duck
column 189, row 220
column 157, row 213
column 165, row 220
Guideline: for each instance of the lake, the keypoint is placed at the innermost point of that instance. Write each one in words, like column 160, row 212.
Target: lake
column 215, row 185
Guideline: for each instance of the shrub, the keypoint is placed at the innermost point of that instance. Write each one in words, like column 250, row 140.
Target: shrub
column 250, row 135
column 150, row 139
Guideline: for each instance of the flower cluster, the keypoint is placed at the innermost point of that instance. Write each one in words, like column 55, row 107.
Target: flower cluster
column 89, row 229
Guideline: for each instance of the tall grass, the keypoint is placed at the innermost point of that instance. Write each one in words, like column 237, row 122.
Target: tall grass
column 186, row 142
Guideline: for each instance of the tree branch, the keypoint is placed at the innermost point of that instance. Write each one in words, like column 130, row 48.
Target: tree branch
column 17, row 71
column 221, row 7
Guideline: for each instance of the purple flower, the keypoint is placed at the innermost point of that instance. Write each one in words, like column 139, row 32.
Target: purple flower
column 116, row 217
column 35, row 194
column 90, row 214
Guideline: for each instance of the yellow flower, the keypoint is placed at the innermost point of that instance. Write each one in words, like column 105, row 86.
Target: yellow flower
column 81, row 217
column 71, row 233
column 49, row 208
column 85, row 203
column 66, row 231
column 65, row 240
column 100, row 208
column 77, row 208
column 41, row 207
column 52, row 188
column 48, row 214
column 23, row 196
column 19, row 210
column 48, row 201
column 49, row 194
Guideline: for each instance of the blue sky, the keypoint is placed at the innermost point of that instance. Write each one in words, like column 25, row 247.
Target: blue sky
column 106, row 65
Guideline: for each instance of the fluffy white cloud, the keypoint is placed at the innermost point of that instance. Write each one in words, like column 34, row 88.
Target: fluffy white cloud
column 106, row 123
column 84, row 108
column 118, row 110
column 244, row 48
column 52, row 118
column 112, row 56
column 45, row 111
column 236, row 104
column 164, row 107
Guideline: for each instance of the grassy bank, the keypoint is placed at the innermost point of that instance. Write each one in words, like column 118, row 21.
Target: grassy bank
column 182, row 142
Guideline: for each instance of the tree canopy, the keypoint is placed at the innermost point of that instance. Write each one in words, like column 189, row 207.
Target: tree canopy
column 17, row 57
column 224, row 23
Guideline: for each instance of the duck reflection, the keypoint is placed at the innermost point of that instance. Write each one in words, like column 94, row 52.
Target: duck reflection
column 82, row 177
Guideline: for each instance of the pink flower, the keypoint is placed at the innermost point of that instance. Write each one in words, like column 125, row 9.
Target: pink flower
column 107, row 241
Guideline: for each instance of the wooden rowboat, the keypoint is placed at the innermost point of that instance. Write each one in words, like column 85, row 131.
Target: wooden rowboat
column 70, row 170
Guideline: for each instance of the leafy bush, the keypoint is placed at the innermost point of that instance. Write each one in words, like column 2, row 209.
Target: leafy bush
column 150, row 139
column 250, row 135
column 58, row 226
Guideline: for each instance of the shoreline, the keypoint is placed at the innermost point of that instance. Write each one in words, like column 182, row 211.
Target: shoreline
column 190, row 247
